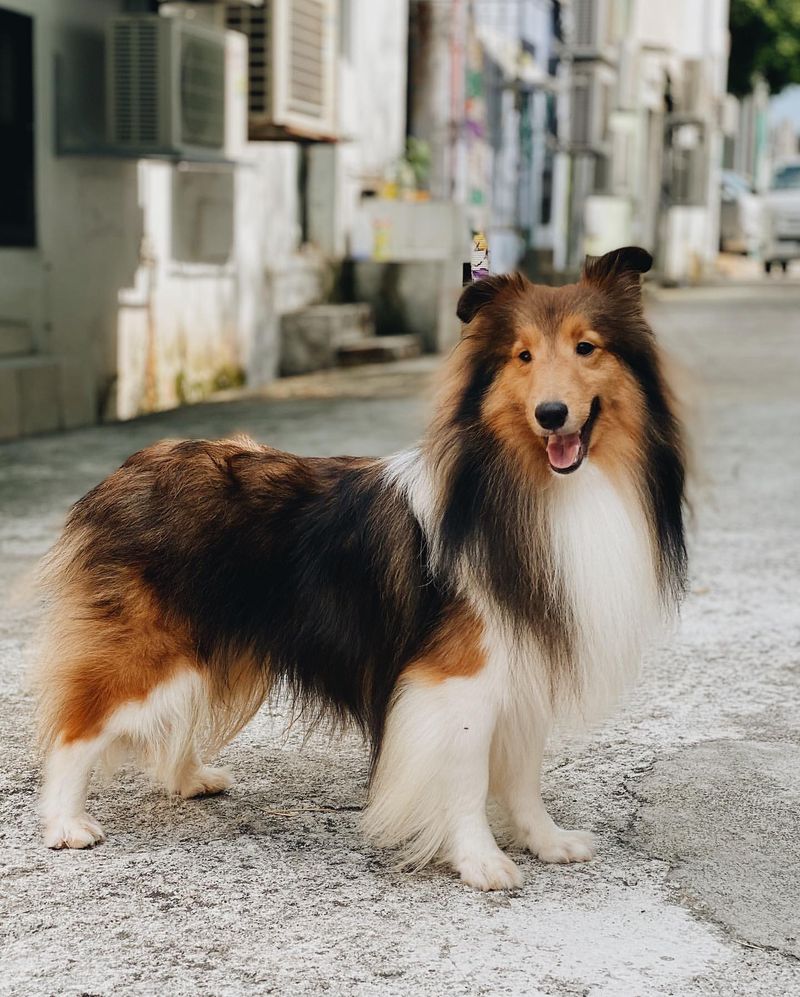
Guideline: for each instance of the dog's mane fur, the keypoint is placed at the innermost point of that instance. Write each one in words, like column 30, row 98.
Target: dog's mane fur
column 486, row 492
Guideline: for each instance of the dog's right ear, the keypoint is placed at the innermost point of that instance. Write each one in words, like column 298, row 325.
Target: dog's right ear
column 481, row 293
column 623, row 267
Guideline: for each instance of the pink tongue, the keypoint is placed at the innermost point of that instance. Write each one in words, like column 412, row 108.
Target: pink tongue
column 562, row 451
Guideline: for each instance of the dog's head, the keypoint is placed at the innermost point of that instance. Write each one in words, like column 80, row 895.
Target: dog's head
column 562, row 374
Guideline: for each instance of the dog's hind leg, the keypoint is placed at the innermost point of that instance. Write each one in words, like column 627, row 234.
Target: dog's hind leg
column 194, row 778
column 67, row 771
column 165, row 730
column 159, row 727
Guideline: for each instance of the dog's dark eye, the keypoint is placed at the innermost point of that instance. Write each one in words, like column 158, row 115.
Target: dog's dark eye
column 584, row 349
column 525, row 356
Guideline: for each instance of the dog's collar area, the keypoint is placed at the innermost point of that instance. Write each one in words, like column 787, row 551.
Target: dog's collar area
column 556, row 443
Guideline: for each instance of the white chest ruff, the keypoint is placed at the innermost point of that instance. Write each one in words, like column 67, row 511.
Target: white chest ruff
column 602, row 549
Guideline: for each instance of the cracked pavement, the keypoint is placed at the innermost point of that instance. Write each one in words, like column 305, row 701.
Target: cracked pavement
column 692, row 788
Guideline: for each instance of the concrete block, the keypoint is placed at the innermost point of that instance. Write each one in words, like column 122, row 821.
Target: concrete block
column 16, row 338
column 412, row 298
column 10, row 423
column 305, row 348
column 379, row 349
column 312, row 337
column 39, row 395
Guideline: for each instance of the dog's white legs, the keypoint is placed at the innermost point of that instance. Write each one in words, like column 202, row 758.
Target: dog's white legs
column 164, row 729
column 160, row 730
column 516, row 782
column 67, row 772
column 191, row 777
column 432, row 777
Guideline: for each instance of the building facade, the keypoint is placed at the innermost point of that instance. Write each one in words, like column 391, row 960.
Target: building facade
column 132, row 280
column 643, row 130
column 156, row 224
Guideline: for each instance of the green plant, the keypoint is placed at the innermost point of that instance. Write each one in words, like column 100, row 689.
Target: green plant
column 765, row 41
column 418, row 157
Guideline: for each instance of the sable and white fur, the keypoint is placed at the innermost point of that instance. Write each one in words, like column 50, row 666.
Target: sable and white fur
column 453, row 601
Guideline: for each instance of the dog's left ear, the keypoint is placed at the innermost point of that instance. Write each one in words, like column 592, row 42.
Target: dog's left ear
column 483, row 292
column 621, row 266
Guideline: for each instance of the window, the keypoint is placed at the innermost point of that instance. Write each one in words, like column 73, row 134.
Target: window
column 787, row 178
column 17, row 210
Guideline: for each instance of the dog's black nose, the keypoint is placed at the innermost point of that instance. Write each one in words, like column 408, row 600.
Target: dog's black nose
column 551, row 415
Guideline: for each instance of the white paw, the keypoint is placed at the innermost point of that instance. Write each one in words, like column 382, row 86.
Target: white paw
column 563, row 846
column 205, row 782
column 72, row 832
column 493, row 871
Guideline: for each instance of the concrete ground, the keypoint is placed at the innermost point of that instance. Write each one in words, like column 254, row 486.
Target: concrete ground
column 693, row 789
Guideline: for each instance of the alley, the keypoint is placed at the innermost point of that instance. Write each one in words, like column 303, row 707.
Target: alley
column 691, row 789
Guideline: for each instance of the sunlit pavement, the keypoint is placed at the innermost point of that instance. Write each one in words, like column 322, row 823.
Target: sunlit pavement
column 693, row 789
column 734, row 266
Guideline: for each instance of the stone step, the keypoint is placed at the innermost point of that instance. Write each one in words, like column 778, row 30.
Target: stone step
column 30, row 396
column 379, row 349
column 311, row 337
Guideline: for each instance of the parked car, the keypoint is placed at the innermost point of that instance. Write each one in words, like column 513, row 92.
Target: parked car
column 741, row 216
column 782, row 202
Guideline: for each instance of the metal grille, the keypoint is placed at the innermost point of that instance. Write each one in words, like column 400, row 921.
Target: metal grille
column 585, row 22
column 202, row 76
column 255, row 22
column 290, row 63
column 135, row 83
column 581, row 113
column 306, row 91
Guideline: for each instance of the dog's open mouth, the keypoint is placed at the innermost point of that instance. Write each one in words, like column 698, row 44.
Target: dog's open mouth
column 566, row 451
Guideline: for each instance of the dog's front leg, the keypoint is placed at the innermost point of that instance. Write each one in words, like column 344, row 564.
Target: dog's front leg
column 516, row 773
column 431, row 782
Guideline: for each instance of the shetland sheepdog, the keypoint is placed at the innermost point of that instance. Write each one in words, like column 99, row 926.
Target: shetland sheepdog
column 452, row 601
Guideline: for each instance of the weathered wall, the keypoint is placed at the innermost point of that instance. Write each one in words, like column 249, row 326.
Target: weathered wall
column 151, row 282
column 87, row 215
column 219, row 263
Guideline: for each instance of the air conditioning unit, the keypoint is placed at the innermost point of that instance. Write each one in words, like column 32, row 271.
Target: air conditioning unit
column 593, row 35
column 629, row 94
column 592, row 102
column 292, row 80
column 585, row 23
column 166, row 83
column 695, row 89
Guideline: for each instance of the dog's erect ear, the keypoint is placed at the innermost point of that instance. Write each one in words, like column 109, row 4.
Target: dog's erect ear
column 623, row 266
column 481, row 293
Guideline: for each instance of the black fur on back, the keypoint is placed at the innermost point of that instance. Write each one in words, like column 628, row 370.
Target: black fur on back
column 312, row 568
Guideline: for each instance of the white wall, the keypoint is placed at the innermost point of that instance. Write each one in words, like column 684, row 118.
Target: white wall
column 219, row 263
